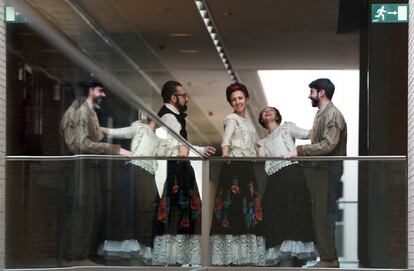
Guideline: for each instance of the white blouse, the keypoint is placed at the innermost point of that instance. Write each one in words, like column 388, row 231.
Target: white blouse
column 239, row 135
column 278, row 143
column 144, row 143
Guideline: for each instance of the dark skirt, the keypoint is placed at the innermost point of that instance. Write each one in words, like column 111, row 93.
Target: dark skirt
column 287, row 207
column 132, row 206
column 179, row 209
column 237, row 204
column 146, row 198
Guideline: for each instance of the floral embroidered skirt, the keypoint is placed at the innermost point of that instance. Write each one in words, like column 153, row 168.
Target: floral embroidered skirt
column 178, row 218
column 235, row 236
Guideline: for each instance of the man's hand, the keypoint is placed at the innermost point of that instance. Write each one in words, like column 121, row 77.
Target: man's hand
column 208, row 150
column 291, row 154
column 124, row 152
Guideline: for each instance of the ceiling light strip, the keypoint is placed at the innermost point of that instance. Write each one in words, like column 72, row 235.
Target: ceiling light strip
column 218, row 43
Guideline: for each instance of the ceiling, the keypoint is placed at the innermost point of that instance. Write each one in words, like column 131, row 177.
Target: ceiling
column 134, row 40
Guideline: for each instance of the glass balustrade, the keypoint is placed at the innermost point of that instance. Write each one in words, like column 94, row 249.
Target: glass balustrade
column 194, row 212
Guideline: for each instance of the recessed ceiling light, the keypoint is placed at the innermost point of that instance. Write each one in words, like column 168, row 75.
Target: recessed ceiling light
column 189, row 51
column 200, row 5
column 180, row 35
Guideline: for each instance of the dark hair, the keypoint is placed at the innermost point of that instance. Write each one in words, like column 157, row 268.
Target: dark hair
column 235, row 87
column 325, row 84
column 278, row 116
column 88, row 85
column 168, row 89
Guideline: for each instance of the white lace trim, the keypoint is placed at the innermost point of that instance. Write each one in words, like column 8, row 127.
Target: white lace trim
column 241, row 152
column 285, row 133
column 125, row 249
column 147, row 165
column 289, row 249
column 272, row 167
column 246, row 249
column 177, row 249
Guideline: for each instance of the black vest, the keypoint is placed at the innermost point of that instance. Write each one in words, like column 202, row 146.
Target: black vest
column 180, row 118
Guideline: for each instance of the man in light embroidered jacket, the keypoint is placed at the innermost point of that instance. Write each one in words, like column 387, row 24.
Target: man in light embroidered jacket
column 328, row 137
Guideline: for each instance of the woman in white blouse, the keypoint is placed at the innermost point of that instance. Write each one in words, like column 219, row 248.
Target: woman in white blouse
column 145, row 143
column 237, row 207
column 287, row 218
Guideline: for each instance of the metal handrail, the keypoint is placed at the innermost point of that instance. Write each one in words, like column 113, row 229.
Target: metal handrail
column 214, row 158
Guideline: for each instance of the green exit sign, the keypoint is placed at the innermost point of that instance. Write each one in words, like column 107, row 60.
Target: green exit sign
column 11, row 15
column 389, row 13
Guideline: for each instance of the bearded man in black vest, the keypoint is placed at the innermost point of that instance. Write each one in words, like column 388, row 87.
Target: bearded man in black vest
column 178, row 222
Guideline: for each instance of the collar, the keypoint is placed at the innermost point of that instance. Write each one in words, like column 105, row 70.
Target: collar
column 90, row 105
column 320, row 111
column 172, row 108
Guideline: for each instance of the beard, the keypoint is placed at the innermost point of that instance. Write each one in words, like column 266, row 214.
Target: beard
column 97, row 101
column 181, row 108
column 315, row 102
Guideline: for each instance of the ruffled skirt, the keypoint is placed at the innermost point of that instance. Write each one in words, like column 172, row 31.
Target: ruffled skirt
column 287, row 216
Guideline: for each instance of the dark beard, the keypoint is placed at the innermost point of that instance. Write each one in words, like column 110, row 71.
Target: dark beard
column 315, row 102
column 97, row 101
column 182, row 108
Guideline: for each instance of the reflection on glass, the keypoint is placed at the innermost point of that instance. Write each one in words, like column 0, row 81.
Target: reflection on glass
column 100, row 212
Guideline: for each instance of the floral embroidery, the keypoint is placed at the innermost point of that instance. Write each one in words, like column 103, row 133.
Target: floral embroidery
column 175, row 188
column 251, row 204
column 258, row 209
column 225, row 223
column 235, row 189
column 188, row 202
column 218, row 203
column 185, row 223
column 162, row 209
column 195, row 203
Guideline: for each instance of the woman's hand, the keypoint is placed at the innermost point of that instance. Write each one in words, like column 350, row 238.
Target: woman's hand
column 225, row 150
column 183, row 151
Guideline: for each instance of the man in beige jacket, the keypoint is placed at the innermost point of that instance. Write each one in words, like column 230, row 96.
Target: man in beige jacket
column 328, row 138
column 85, row 206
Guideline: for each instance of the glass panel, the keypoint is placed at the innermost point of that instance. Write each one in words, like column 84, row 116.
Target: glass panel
column 102, row 212
column 306, row 211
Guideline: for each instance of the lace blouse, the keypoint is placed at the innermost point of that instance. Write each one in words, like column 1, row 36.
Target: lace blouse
column 144, row 143
column 239, row 135
column 278, row 143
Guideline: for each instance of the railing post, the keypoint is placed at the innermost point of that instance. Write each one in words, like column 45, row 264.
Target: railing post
column 205, row 216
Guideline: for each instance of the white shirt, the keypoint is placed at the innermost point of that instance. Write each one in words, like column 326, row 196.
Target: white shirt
column 239, row 135
column 171, row 121
column 144, row 143
column 278, row 143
